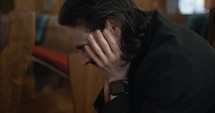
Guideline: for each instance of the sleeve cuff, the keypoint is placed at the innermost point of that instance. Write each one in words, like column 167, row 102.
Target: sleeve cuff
column 120, row 104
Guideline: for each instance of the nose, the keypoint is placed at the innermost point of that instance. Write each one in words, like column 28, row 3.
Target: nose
column 85, row 59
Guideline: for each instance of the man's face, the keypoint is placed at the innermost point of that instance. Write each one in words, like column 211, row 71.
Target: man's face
column 77, row 37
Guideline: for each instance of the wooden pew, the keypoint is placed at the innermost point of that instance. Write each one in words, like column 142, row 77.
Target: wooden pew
column 15, row 59
column 86, row 83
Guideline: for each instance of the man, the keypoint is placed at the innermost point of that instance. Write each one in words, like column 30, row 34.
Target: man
column 149, row 64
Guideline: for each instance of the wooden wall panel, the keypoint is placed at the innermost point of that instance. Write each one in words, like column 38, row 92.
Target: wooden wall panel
column 210, row 4
column 39, row 6
column 151, row 4
column 24, row 4
column 48, row 6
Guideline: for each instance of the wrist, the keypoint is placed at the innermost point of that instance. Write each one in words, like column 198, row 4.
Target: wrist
column 117, row 79
column 118, row 87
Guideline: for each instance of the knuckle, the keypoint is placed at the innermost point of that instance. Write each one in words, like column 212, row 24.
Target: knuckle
column 111, row 44
column 101, row 66
column 113, row 60
column 117, row 57
column 106, row 64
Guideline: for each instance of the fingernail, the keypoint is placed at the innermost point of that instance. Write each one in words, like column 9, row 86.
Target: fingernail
column 86, row 46
column 105, row 31
column 89, row 37
column 98, row 31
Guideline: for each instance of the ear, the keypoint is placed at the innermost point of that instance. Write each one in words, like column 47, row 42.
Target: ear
column 113, row 26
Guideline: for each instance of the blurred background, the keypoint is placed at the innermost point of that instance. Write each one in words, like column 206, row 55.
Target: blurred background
column 45, row 75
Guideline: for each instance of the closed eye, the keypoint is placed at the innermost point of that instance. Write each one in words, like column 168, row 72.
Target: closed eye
column 80, row 46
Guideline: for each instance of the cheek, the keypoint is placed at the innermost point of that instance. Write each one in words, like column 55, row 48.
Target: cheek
column 118, row 40
column 72, row 42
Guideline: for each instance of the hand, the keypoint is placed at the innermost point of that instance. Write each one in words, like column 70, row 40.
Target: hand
column 106, row 53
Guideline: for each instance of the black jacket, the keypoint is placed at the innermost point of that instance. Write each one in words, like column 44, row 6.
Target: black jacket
column 175, row 74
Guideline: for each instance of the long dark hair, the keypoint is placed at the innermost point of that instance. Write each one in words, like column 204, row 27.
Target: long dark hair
column 94, row 13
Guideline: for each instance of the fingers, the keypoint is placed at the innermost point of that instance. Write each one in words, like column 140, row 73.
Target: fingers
column 97, row 54
column 103, row 48
column 111, row 39
column 112, row 42
column 93, row 55
column 104, row 44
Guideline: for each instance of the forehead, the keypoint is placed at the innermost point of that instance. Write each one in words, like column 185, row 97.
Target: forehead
column 77, row 35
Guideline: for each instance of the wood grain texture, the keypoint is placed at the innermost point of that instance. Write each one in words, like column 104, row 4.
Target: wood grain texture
column 15, row 59
column 51, row 99
column 86, row 83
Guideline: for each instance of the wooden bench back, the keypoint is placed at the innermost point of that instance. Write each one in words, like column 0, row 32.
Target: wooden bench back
column 15, row 59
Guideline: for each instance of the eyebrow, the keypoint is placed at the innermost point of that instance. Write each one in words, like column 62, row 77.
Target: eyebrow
column 81, row 46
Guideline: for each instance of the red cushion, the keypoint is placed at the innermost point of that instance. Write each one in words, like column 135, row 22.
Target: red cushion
column 53, row 57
